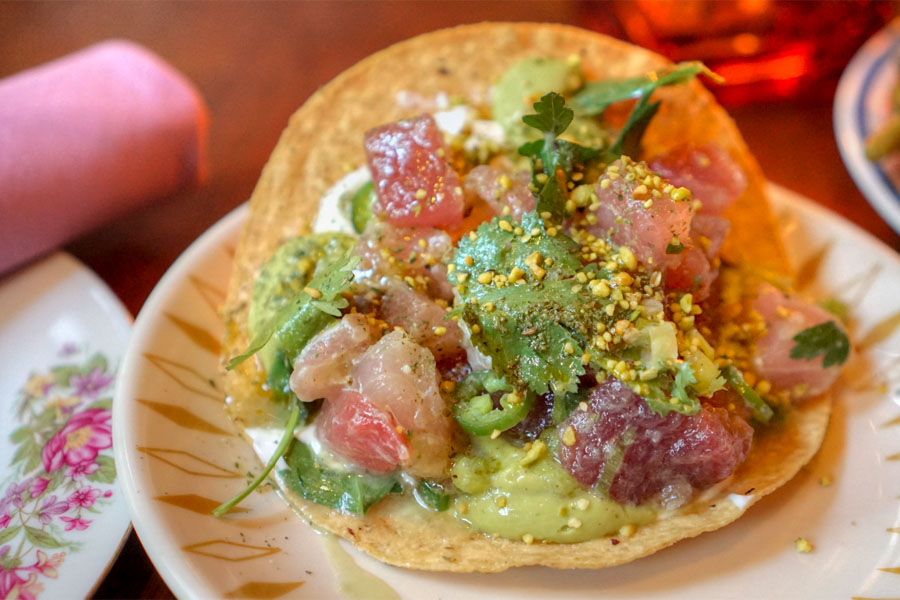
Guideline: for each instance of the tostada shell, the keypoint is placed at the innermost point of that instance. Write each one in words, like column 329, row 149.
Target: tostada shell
column 325, row 136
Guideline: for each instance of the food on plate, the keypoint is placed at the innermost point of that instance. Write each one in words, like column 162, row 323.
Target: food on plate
column 556, row 326
column 886, row 139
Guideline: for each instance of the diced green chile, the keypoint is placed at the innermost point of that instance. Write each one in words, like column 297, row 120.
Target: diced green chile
column 361, row 207
column 762, row 412
column 475, row 411
column 432, row 495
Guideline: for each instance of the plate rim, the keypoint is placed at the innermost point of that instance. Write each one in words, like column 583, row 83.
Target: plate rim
column 121, row 312
column 187, row 583
column 848, row 117
column 149, row 536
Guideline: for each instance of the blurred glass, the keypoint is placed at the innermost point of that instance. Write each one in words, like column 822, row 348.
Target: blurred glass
column 765, row 49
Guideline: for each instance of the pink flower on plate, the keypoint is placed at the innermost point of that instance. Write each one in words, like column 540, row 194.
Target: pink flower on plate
column 79, row 441
column 51, row 507
column 38, row 486
column 79, row 471
column 76, row 523
column 85, row 497
column 49, row 565
column 90, row 385
column 4, row 521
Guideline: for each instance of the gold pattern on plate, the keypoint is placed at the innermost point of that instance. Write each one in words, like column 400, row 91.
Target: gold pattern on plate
column 182, row 416
column 213, row 296
column 230, row 551
column 809, row 270
column 183, row 375
column 198, row 504
column 263, row 589
column 881, row 331
column 893, row 457
column 188, row 463
column 198, row 335
column 892, row 570
column 893, row 529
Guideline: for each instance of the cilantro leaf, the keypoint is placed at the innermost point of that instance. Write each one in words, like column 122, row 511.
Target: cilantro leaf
column 597, row 96
column 827, row 339
column 432, row 495
column 552, row 115
column 673, row 248
column 498, row 250
column 349, row 492
column 629, row 140
column 684, row 377
column 673, row 383
column 295, row 323
column 286, row 437
column 525, row 339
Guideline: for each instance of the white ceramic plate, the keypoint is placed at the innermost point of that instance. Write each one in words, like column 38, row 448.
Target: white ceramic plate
column 62, row 515
column 180, row 458
column 862, row 104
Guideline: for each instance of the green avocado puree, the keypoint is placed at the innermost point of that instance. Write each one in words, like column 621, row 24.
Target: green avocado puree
column 528, row 80
column 285, row 275
column 515, row 493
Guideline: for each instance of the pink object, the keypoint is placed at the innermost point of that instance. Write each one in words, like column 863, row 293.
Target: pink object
column 88, row 137
column 414, row 183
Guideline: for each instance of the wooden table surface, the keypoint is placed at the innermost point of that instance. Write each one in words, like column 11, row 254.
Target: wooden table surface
column 256, row 63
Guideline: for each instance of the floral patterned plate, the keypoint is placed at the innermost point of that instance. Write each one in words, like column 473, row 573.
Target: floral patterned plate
column 180, row 458
column 62, row 517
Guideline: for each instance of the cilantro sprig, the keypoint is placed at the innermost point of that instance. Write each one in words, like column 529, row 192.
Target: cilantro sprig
column 280, row 450
column 597, row 96
column 552, row 117
column 826, row 339
column 298, row 321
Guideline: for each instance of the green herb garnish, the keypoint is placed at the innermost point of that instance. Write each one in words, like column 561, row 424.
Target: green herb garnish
column 827, row 339
column 597, row 96
column 432, row 495
column 282, row 447
column 672, row 248
column 348, row 492
column 298, row 321
column 552, row 117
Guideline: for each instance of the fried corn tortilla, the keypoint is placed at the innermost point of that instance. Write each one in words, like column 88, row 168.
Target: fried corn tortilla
column 324, row 137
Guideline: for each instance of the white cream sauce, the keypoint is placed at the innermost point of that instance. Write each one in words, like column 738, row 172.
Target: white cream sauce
column 740, row 501
column 330, row 217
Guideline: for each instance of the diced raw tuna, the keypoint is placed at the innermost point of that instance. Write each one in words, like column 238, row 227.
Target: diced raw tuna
column 708, row 232
column 660, row 456
column 355, row 429
column 323, row 368
column 629, row 221
column 414, row 183
column 399, row 377
column 693, row 273
column 708, row 171
column 425, row 321
column 399, row 252
column 500, row 189
column 786, row 317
